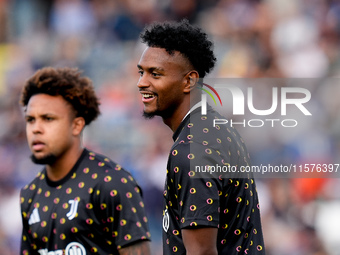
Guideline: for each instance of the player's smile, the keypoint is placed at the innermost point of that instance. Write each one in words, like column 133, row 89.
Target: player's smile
column 148, row 97
column 161, row 82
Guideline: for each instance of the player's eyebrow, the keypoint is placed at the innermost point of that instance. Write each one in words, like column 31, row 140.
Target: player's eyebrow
column 151, row 69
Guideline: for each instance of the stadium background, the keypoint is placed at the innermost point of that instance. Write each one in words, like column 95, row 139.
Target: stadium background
column 253, row 38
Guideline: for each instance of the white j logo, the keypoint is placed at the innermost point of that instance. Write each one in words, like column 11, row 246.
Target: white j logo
column 73, row 210
column 166, row 220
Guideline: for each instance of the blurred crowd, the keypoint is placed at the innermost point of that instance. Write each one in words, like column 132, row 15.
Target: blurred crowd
column 253, row 39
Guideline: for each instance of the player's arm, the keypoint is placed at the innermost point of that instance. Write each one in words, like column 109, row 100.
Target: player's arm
column 25, row 246
column 200, row 241
column 26, row 240
column 138, row 248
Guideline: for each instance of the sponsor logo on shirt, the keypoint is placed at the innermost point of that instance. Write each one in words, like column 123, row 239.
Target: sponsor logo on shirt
column 73, row 248
column 34, row 218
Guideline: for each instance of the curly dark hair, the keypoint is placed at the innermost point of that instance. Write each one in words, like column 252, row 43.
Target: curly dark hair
column 191, row 41
column 68, row 83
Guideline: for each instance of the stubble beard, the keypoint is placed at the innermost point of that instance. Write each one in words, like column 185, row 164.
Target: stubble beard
column 151, row 115
column 49, row 159
column 163, row 114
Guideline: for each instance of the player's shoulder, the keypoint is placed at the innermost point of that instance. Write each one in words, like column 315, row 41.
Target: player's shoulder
column 104, row 165
column 198, row 127
column 31, row 186
column 98, row 159
column 199, row 131
column 215, row 129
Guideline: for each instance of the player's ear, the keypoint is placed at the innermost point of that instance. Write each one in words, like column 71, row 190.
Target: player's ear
column 191, row 81
column 78, row 125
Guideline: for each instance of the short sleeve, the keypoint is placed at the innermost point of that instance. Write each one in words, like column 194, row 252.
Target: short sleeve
column 27, row 245
column 121, row 209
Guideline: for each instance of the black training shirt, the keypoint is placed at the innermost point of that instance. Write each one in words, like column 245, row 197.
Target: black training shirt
column 96, row 209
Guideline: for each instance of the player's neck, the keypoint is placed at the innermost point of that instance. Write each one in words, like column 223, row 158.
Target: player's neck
column 178, row 115
column 63, row 164
column 173, row 121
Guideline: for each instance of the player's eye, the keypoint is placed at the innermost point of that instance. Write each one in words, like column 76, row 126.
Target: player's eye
column 29, row 119
column 48, row 119
column 155, row 74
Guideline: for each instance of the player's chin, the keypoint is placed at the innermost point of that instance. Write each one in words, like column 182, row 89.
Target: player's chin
column 148, row 114
column 149, row 111
column 40, row 153
column 43, row 158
